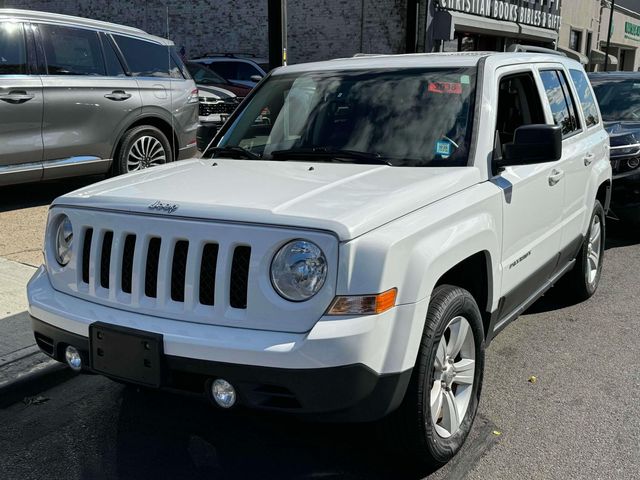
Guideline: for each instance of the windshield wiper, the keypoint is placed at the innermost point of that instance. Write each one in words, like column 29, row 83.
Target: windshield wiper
column 233, row 151
column 324, row 153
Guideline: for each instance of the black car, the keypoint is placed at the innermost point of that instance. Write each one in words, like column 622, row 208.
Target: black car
column 618, row 94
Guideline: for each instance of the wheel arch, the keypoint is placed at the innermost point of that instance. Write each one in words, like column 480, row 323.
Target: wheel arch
column 154, row 121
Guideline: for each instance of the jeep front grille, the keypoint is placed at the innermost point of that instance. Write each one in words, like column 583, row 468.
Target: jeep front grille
column 133, row 246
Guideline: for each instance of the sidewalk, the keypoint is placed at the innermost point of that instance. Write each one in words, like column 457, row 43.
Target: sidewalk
column 20, row 358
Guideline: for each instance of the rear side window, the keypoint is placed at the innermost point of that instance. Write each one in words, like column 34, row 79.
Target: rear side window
column 226, row 70
column 562, row 106
column 586, row 97
column 72, row 51
column 145, row 59
column 114, row 67
column 13, row 56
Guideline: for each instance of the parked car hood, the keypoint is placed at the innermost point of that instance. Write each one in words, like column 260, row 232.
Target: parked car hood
column 623, row 133
column 348, row 199
column 217, row 93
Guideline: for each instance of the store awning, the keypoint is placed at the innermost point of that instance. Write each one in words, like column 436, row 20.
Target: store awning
column 583, row 59
column 447, row 22
column 597, row 58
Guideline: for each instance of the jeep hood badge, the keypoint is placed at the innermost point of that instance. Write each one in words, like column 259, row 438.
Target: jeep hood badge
column 163, row 207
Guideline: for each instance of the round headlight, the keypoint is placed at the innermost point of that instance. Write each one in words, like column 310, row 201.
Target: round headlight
column 298, row 270
column 64, row 241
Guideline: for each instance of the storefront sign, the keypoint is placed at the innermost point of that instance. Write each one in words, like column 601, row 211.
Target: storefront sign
column 538, row 13
column 632, row 31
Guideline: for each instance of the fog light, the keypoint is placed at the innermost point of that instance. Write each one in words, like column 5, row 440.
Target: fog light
column 72, row 355
column 633, row 163
column 223, row 393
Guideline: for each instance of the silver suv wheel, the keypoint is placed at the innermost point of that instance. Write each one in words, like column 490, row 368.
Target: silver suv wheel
column 145, row 152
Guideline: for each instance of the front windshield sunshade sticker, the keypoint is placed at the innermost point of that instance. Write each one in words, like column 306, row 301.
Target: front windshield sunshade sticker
column 443, row 148
column 465, row 80
column 450, row 88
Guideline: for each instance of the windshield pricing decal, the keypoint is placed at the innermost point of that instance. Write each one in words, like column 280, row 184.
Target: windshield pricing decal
column 445, row 87
column 443, row 148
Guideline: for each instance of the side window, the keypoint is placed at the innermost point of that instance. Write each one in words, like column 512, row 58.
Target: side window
column 114, row 67
column 586, row 97
column 226, row 70
column 72, row 51
column 559, row 97
column 518, row 104
column 145, row 59
column 13, row 56
column 246, row 71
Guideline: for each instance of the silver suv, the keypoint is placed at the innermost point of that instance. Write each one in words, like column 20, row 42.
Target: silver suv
column 80, row 97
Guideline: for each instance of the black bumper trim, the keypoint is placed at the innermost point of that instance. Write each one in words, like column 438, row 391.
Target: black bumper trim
column 344, row 393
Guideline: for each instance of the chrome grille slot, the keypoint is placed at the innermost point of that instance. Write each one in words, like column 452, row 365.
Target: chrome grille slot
column 105, row 259
column 239, row 277
column 127, row 263
column 208, row 274
column 86, row 254
column 151, row 270
column 179, row 270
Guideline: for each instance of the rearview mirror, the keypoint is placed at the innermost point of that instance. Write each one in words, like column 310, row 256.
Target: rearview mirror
column 539, row 143
column 255, row 78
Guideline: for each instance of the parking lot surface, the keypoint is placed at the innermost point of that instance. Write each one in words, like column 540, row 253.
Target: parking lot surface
column 578, row 418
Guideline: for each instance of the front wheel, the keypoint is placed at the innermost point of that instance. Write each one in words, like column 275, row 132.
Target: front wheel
column 583, row 280
column 142, row 147
column 441, row 402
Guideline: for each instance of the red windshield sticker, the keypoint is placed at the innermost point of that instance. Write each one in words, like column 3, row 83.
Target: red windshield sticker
column 445, row 87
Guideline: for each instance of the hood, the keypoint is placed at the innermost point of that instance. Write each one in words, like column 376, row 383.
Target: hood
column 348, row 199
column 229, row 88
column 623, row 133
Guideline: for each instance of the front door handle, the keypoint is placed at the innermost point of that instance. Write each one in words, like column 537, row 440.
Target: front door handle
column 555, row 177
column 118, row 95
column 588, row 159
column 16, row 96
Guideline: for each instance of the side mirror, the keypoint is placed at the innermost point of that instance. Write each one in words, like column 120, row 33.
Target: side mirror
column 255, row 78
column 539, row 143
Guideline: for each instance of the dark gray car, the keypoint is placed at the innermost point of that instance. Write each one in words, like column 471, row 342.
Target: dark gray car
column 79, row 97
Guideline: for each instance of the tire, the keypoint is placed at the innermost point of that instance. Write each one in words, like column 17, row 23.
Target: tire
column 142, row 147
column 412, row 427
column 582, row 281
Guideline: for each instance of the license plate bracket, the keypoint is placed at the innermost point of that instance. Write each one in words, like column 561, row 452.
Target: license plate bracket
column 126, row 353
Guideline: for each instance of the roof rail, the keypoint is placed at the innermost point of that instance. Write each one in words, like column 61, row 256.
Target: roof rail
column 366, row 55
column 516, row 47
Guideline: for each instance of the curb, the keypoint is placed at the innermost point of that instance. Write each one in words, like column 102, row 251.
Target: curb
column 41, row 377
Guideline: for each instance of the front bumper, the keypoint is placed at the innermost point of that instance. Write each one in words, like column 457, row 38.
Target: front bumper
column 625, row 197
column 354, row 369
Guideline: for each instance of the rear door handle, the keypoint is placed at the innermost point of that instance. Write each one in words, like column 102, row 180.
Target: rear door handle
column 588, row 159
column 118, row 95
column 555, row 177
column 16, row 96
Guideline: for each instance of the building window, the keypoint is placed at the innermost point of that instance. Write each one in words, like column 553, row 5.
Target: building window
column 587, row 46
column 575, row 40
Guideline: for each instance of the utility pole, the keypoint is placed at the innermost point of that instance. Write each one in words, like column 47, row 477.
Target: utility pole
column 606, row 53
column 277, row 18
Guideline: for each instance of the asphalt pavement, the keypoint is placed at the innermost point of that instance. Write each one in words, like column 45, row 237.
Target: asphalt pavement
column 579, row 418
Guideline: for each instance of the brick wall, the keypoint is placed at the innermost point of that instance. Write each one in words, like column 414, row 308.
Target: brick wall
column 318, row 29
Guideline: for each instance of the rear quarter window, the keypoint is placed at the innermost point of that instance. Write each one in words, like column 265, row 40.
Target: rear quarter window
column 560, row 101
column 148, row 59
column 586, row 97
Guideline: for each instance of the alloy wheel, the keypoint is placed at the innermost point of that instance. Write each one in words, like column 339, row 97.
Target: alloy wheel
column 594, row 249
column 146, row 151
column 453, row 377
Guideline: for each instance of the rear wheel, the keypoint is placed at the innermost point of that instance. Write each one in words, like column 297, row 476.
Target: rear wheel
column 583, row 280
column 441, row 402
column 142, row 147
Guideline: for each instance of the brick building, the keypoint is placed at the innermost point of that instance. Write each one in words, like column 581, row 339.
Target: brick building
column 322, row 29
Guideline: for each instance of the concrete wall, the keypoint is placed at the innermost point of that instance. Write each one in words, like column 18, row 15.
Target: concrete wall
column 582, row 15
column 318, row 29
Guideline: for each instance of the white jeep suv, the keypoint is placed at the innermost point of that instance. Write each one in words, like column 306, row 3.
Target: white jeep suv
column 361, row 230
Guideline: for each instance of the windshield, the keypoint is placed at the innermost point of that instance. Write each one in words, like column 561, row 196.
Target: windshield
column 406, row 117
column 619, row 99
column 204, row 76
